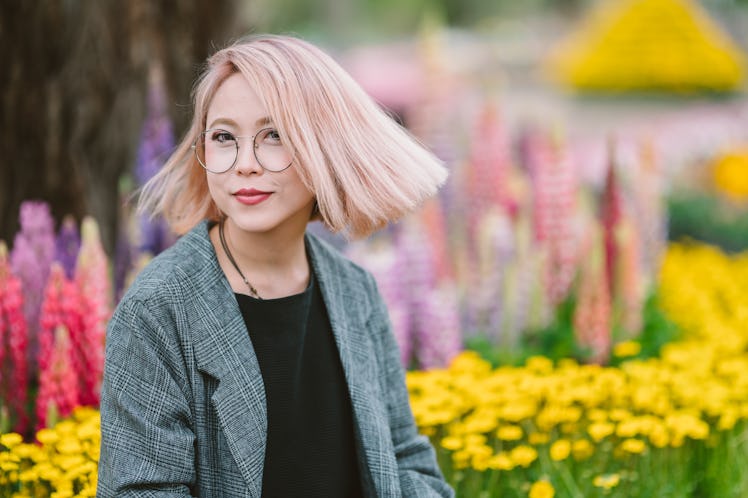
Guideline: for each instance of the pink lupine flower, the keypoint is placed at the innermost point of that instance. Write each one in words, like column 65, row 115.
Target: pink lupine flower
column 63, row 307
column 33, row 251
column 592, row 320
column 13, row 345
column 488, row 166
column 554, row 206
column 94, row 286
column 58, row 385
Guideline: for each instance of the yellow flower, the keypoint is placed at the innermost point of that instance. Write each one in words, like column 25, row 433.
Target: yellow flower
column 452, row 443
column 600, row 430
column 47, row 436
column 538, row 438
column 627, row 348
column 634, row 446
column 509, row 433
column 523, row 455
column 11, row 440
column 607, row 481
column 582, row 449
column 542, row 489
column 560, row 450
column 501, row 461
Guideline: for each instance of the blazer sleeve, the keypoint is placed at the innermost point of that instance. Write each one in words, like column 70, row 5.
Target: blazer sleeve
column 147, row 445
column 418, row 470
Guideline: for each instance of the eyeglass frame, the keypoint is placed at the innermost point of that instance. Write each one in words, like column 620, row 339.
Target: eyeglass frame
column 255, row 146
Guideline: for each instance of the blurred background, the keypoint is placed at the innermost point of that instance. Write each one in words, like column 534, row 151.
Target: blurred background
column 571, row 306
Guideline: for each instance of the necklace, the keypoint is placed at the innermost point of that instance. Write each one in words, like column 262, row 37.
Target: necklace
column 225, row 246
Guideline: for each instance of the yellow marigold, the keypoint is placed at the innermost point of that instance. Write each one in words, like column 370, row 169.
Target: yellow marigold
column 730, row 173
column 452, row 443
column 626, row 349
column 538, row 438
column 11, row 440
column 523, row 455
column 634, row 446
column 600, row 430
column 607, row 481
column 560, row 450
column 582, row 449
column 47, row 436
column 501, row 461
column 542, row 489
column 509, row 433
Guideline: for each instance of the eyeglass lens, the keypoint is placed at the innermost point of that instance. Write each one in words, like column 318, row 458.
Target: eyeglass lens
column 217, row 150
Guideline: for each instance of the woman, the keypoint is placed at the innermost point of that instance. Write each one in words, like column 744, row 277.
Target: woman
column 251, row 359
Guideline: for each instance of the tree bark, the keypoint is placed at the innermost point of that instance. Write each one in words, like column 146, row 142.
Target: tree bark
column 74, row 86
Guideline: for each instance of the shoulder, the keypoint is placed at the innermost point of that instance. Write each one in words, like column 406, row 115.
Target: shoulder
column 331, row 262
column 190, row 262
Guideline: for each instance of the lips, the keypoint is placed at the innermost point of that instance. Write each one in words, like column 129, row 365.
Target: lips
column 251, row 196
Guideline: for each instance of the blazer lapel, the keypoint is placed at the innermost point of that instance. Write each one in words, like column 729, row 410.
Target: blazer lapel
column 223, row 350
column 347, row 307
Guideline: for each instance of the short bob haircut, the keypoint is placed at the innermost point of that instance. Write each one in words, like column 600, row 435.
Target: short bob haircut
column 363, row 168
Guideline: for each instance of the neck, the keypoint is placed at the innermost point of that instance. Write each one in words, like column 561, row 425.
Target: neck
column 274, row 263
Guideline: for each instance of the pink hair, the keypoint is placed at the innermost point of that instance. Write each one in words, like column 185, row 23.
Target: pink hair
column 364, row 169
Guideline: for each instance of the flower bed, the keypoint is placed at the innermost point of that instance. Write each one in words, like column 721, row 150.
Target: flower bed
column 669, row 426
column 675, row 425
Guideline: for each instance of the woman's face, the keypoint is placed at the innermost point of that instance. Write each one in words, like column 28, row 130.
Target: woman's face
column 253, row 199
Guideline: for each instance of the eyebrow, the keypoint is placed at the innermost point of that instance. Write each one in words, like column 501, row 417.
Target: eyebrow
column 263, row 121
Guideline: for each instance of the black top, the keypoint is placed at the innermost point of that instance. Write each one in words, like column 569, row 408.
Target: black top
column 311, row 448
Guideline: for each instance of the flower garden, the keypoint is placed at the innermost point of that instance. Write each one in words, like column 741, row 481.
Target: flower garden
column 571, row 311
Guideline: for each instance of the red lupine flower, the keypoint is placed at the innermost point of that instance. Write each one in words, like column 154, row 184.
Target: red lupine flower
column 93, row 283
column 58, row 385
column 51, row 315
column 611, row 207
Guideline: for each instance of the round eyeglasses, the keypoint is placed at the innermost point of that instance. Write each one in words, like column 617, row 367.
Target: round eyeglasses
column 218, row 150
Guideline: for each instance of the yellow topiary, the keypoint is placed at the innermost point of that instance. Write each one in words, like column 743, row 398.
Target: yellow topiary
column 649, row 45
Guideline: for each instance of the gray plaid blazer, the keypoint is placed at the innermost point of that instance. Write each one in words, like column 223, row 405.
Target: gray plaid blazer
column 183, row 403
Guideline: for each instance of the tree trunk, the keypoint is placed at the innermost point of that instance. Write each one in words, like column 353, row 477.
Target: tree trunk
column 74, row 83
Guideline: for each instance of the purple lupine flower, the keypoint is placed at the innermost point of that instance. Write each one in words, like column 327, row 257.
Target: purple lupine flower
column 432, row 302
column 30, row 260
column 495, row 252
column 67, row 245
column 439, row 338
column 156, row 143
column 381, row 259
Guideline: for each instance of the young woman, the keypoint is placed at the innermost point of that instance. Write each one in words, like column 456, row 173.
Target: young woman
column 251, row 359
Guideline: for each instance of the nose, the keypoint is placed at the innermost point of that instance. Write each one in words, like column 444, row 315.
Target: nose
column 246, row 161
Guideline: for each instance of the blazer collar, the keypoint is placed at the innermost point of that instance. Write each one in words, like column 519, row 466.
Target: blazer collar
column 224, row 351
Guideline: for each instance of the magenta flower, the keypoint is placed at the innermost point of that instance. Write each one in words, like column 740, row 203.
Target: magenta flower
column 58, row 385
column 13, row 345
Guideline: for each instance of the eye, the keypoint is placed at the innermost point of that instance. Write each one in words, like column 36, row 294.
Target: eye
column 271, row 136
column 222, row 137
